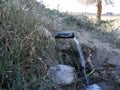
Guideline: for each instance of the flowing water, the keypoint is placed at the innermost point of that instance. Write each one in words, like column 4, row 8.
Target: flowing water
column 81, row 60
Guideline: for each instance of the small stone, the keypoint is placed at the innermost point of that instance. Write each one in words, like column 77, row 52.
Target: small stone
column 93, row 87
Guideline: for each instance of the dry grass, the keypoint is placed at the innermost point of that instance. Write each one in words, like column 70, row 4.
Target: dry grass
column 25, row 50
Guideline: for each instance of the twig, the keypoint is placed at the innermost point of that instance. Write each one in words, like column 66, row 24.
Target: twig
column 6, row 71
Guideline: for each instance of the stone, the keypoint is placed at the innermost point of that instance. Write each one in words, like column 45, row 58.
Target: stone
column 93, row 87
column 62, row 74
column 114, row 61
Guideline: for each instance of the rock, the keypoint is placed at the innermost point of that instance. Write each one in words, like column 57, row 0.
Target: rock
column 93, row 87
column 64, row 44
column 114, row 61
column 62, row 74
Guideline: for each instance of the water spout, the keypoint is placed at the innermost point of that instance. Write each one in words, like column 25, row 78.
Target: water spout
column 81, row 60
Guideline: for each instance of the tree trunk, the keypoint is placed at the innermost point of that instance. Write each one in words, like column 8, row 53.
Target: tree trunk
column 99, row 9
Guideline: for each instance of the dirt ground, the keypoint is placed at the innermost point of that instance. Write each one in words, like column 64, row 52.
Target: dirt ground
column 104, row 57
column 105, row 61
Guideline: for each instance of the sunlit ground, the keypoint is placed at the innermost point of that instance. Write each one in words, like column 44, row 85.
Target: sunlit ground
column 75, row 7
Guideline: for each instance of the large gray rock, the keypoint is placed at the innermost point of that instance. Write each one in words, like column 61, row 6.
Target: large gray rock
column 62, row 74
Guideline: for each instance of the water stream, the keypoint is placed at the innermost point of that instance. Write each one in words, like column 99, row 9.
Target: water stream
column 81, row 60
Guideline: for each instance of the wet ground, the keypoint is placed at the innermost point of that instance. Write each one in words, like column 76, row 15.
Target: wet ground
column 105, row 83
